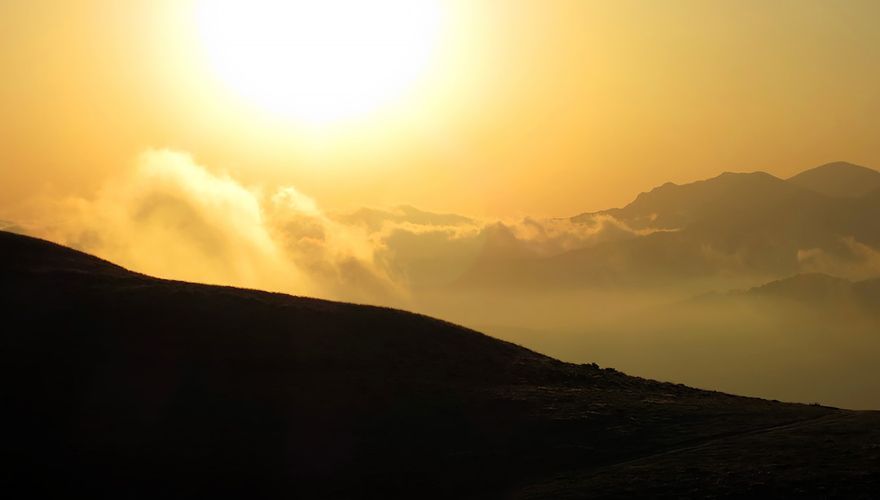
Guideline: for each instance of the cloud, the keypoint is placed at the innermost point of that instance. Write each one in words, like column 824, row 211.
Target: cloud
column 858, row 261
column 377, row 218
column 424, row 250
column 553, row 236
column 170, row 217
column 342, row 258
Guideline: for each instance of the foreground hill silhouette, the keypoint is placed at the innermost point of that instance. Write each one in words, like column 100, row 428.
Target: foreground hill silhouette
column 119, row 384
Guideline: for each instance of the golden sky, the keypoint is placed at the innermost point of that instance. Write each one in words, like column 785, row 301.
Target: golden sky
column 548, row 107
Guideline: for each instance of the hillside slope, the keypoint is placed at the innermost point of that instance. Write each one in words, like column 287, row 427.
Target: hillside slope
column 119, row 384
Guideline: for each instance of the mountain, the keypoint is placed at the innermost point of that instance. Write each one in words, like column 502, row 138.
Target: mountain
column 751, row 227
column 839, row 179
column 673, row 206
column 117, row 384
column 821, row 291
column 815, row 294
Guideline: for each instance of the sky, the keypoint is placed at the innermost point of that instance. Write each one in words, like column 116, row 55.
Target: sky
column 515, row 107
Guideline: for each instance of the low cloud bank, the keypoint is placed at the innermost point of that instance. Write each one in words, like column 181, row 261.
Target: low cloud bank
column 171, row 217
column 858, row 261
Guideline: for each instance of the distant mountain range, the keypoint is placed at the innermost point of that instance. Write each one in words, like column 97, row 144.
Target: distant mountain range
column 751, row 226
column 117, row 384
column 815, row 291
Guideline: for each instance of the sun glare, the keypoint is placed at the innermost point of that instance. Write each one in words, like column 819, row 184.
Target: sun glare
column 319, row 61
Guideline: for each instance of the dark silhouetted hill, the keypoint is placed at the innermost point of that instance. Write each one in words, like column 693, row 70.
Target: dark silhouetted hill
column 116, row 384
column 839, row 179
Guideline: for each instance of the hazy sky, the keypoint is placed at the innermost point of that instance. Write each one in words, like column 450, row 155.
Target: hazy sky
column 544, row 107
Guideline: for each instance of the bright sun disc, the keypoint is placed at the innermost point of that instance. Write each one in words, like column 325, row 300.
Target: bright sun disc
column 319, row 61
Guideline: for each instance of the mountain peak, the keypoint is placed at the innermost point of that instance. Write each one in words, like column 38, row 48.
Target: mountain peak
column 674, row 206
column 839, row 179
column 841, row 165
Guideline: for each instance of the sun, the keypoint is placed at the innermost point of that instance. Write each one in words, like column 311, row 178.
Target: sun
column 319, row 61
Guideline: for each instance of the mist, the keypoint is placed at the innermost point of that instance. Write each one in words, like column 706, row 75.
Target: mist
column 763, row 347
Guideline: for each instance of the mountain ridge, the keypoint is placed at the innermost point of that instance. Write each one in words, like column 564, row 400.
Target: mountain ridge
column 814, row 179
column 747, row 224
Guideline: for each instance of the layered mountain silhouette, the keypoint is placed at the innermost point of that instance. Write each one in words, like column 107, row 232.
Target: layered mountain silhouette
column 117, row 384
column 749, row 226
